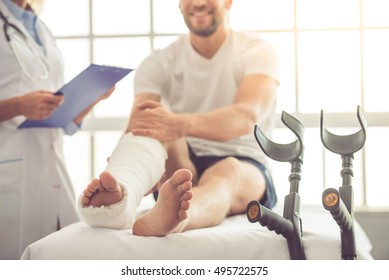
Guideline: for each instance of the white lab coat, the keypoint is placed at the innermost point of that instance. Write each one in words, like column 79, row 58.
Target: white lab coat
column 36, row 195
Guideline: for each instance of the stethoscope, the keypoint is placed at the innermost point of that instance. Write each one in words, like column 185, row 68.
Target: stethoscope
column 39, row 60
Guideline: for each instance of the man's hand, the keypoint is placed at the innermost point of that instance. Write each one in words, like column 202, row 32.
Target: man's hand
column 153, row 120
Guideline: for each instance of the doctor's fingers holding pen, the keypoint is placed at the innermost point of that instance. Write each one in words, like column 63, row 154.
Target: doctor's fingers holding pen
column 38, row 104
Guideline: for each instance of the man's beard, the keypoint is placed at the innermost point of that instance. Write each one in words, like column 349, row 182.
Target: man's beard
column 204, row 32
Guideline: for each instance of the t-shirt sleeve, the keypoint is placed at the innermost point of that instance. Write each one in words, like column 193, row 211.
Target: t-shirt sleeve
column 149, row 76
column 261, row 58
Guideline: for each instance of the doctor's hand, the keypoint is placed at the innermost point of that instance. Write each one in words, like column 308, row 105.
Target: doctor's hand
column 107, row 93
column 38, row 105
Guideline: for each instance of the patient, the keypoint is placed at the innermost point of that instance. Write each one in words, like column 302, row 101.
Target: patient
column 192, row 123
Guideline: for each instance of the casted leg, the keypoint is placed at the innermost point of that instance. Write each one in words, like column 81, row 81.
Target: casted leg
column 135, row 166
column 171, row 210
column 102, row 192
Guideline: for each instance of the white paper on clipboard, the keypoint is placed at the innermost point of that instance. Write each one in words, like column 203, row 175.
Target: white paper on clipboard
column 79, row 93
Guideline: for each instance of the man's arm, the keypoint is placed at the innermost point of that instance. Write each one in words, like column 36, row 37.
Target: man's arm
column 254, row 97
column 136, row 111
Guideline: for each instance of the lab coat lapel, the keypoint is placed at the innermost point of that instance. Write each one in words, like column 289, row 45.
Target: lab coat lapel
column 52, row 56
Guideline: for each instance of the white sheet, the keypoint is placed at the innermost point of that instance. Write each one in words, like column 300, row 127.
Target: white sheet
column 235, row 238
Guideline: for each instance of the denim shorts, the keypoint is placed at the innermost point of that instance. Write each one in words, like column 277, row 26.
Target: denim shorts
column 204, row 162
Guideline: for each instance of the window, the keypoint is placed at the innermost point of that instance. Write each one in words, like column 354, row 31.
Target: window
column 333, row 56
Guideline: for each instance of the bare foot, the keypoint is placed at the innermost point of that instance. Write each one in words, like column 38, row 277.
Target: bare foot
column 105, row 191
column 171, row 209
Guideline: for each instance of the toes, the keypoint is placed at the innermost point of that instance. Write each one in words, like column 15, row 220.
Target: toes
column 181, row 176
column 94, row 186
column 182, row 215
column 186, row 196
column 107, row 182
column 90, row 190
column 186, row 186
column 184, row 205
column 88, row 193
column 85, row 201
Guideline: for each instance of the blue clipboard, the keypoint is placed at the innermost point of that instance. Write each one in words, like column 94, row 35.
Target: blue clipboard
column 79, row 93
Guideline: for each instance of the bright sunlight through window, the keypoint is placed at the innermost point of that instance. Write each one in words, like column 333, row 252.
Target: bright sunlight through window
column 333, row 57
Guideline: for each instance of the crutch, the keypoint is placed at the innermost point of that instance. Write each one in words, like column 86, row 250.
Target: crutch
column 340, row 203
column 290, row 225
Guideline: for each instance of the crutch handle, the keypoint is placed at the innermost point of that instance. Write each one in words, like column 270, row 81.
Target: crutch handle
column 333, row 203
column 258, row 213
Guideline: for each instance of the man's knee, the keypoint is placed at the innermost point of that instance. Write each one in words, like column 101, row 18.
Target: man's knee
column 248, row 178
column 230, row 165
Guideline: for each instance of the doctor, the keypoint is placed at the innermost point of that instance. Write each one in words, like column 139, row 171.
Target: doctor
column 36, row 195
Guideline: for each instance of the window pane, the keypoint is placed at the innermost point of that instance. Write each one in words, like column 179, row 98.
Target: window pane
column 311, row 185
column 329, row 71
column 121, row 52
column 121, row 17
column 119, row 104
column 168, row 17
column 75, row 61
column 284, row 44
column 57, row 12
column 375, row 12
column 262, row 14
column 377, row 153
column 376, row 69
column 77, row 155
column 327, row 13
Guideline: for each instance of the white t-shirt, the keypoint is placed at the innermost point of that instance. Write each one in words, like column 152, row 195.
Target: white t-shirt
column 190, row 83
